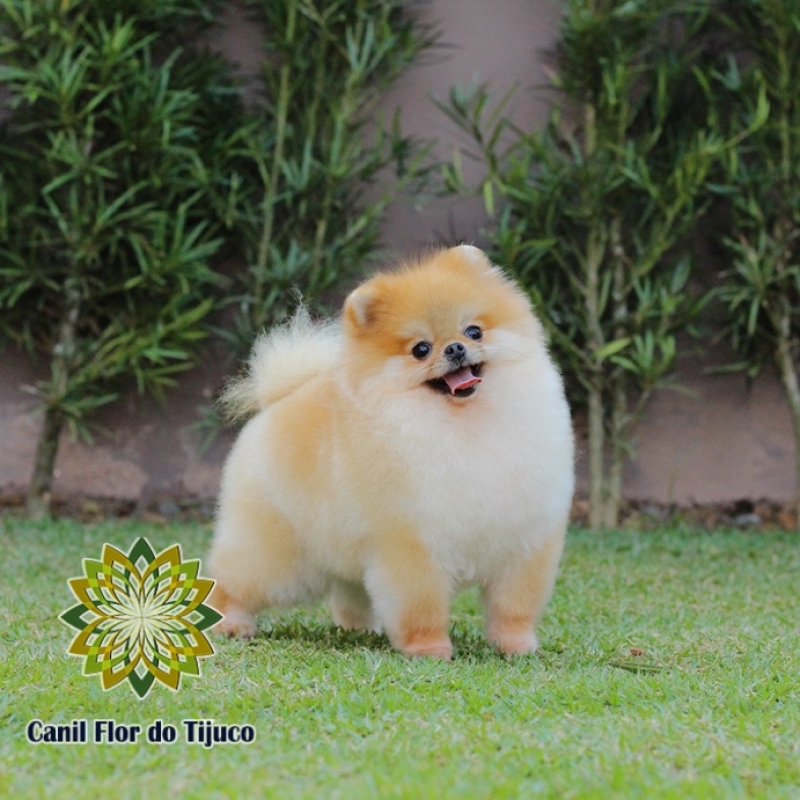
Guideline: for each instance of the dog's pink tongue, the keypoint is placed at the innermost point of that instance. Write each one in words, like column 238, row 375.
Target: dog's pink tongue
column 462, row 379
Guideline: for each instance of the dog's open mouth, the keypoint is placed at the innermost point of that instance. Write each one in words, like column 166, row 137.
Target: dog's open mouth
column 461, row 382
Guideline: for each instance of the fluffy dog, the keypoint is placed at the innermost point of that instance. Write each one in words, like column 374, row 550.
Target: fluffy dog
column 419, row 444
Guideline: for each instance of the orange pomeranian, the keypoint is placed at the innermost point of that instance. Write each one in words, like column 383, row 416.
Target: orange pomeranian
column 420, row 444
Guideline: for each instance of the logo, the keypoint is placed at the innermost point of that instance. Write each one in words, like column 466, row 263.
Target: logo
column 140, row 617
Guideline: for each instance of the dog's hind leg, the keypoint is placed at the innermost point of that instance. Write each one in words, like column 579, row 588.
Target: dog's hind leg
column 351, row 606
column 255, row 561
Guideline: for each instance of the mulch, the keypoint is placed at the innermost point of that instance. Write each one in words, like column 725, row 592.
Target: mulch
column 744, row 513
column 635, row 514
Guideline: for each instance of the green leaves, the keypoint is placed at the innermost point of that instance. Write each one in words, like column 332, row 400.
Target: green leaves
column 110, row 176
column 758, row 95
column 591, row 214
column 306, row 164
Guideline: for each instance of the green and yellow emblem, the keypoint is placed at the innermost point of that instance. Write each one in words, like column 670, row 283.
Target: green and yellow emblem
column 140, row 617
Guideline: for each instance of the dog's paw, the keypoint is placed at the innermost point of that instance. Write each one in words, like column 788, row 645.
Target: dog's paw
column 236, row 624
column 442, row 651
column 352, row 618
column 517, row 644
column 428, row 646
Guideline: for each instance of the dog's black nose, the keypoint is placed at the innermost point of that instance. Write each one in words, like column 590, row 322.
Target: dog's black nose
column 455, row 351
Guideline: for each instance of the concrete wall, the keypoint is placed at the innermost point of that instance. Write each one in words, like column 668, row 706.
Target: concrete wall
column 717, row 441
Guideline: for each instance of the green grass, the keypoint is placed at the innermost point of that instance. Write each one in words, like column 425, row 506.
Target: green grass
column 711, row 709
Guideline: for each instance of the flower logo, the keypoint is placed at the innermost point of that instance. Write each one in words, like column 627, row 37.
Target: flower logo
column 140, row 617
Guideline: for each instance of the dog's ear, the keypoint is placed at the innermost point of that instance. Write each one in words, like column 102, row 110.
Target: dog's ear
column 473, row 256
column 360, row 306
column 476, row 260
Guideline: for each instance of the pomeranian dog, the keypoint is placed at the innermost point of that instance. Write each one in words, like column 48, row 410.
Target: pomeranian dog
column 420, row 444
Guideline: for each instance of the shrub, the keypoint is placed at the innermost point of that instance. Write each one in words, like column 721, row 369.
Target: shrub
column 761, row 289
column 314, row 148
column 107, row 159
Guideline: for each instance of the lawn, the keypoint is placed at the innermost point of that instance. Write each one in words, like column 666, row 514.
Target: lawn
column 669, row 668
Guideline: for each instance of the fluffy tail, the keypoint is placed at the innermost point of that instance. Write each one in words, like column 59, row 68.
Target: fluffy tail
column 281, row 361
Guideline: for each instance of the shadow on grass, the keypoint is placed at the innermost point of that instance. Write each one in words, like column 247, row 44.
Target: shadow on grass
column 319, row 635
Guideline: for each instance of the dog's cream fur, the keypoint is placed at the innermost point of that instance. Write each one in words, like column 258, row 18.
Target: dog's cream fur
column 357, row 481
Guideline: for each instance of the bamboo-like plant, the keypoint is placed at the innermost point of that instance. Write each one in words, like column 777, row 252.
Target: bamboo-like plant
column 315, row 147
column 761, row 289
column 108, row 149
column 591, row 211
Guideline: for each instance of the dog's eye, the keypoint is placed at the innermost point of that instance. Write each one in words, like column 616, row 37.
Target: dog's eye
column 421, row 350
column 474, row 332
